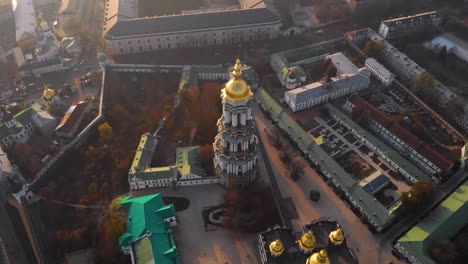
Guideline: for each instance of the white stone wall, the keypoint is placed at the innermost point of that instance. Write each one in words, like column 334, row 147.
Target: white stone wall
column 379, row 71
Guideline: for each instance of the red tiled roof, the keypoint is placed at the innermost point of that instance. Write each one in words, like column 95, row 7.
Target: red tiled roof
column 72, row 116
column 404, row 135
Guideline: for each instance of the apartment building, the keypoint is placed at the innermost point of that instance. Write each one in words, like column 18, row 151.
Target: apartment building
column 402, row 26
column 397, row 61
column 379, row 71
column 125, row 33
column 349, row 79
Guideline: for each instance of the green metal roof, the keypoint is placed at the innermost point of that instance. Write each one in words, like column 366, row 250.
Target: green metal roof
column 187, row 161
column 151, row 238
column 442, row 223
column 389, row 152
column 303, row 53
column 22, row 118
column 367, row 202
column 144, row 153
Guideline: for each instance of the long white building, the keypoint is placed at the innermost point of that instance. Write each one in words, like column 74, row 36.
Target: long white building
column 125, row 33
column 397, row 61
column 406, row 25
column 379, row 71
column 25, row 23
column 349, row 79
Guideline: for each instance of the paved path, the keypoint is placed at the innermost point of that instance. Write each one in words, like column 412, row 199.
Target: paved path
column 330, row 205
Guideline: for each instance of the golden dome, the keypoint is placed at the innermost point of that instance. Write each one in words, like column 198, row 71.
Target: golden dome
column 307, row 242
column 237, row 89
column 48, row 94
column 276, row 248
column 336, row 237
column 319, row 258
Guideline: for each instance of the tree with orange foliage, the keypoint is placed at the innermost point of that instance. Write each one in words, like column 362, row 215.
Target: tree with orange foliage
column 105, row 132
column 206, row 156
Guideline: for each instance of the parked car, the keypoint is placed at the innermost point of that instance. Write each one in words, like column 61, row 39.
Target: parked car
column 314, row 195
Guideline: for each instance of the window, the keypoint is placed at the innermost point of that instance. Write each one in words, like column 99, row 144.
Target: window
column 150, row 48
column 168, row 46
column 141, row 48
column 131, row 49
column 129, row 42
column 121, row 50
column 120, row 43
column 139, row 41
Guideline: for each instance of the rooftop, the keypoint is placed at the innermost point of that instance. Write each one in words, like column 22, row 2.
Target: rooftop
column 442, row 223
column 342, row 63
column 187, row 162
column 392, row 51
column 376, row 212
column 317, row 89
column 150, row 235
column 190, row 22
column 22, row 119
column 389, row 152
column 72, row 116
column 420, row 16
column 411, row 140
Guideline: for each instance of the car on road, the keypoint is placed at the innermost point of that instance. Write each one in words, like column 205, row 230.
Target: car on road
column 314, row 195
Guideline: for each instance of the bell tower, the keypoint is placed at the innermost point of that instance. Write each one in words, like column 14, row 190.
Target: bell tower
column 235, row 146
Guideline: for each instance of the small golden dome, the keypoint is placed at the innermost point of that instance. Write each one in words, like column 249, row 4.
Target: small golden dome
column 237, row 89
column 319, row 258
column 48, row 94
column 307, row 242
column 276, row 248
column 336, row 237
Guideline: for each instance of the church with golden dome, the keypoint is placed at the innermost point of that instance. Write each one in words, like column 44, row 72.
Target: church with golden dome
column 235, row 145
column 320, row 242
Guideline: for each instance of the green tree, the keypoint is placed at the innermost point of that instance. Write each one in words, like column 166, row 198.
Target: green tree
column 417, row 197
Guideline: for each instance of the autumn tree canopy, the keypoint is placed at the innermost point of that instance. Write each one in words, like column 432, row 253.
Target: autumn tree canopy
column 105, row 132
column 373, row 49
column 419, row 196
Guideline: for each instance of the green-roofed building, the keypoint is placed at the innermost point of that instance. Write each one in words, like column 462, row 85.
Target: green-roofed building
column 18, row 128
column 442, row 223
column 286, row 64
column 186, row 171
column 378, row 217
column 149, row 238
